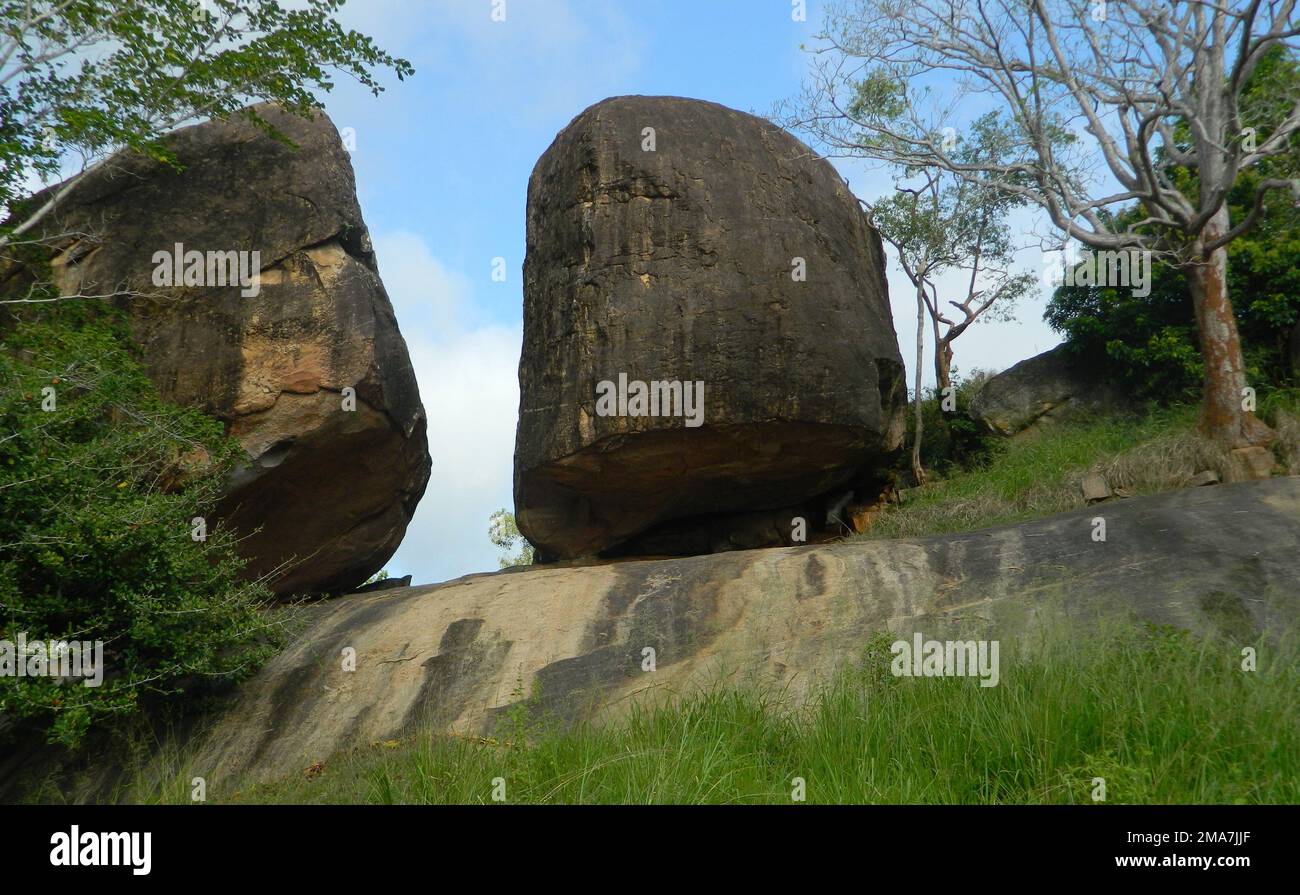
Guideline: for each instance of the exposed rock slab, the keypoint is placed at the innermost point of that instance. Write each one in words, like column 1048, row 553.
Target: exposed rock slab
column 729, row 254
column 1046, row 387
column 454, row 657
column 326, row 491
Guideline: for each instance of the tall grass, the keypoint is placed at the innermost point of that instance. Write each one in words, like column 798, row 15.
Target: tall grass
column 1160, row 716
column 1038, row 474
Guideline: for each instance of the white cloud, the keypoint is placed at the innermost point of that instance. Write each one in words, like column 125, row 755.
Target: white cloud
column 427, row 296
column 468, row 382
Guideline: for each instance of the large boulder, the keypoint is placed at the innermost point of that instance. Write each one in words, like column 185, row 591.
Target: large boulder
column 673, row 240
column 327, row 492
column 1051, row 386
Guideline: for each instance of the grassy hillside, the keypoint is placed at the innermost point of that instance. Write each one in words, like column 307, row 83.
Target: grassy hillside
column 1037, row 473
column 1161, row 717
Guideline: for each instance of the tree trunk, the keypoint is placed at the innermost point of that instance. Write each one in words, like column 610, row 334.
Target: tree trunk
column 1223, row 417
column 943, row 364
column 918, row 472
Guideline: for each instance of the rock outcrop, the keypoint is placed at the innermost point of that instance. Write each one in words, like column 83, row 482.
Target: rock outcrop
column 456, row 657
column 327, row 492
column 1047, row 387
column 670, row 241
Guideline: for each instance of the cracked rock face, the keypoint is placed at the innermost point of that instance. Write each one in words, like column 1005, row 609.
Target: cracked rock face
column 727, row 254
column 330, row 489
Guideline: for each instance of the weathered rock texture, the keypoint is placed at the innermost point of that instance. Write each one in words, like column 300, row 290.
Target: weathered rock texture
column 456, row 657
column 1047, row 387
column 678, row 264
column 330, row 490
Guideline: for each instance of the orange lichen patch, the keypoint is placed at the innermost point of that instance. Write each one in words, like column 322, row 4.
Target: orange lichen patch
column 272, row 276
column 273, row 366
column 330, row 259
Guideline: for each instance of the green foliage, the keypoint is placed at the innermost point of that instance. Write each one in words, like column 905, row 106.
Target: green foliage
column 100, row 490
column 503, row 532
column 1164, row 716
column 952, row 440
column 158, row 64
column 1150, row 343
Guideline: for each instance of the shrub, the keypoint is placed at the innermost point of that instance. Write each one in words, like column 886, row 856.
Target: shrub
column 950, row 439
column 101, row 483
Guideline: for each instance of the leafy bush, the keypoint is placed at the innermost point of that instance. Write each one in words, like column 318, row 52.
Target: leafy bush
column 950, row 439
column 102, row 483
column 503, row 532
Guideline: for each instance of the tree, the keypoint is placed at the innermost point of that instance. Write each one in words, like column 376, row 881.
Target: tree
column 1092, row 92
column 87, row 77
column 503, row 532
column 1149, row 341
column 949, row 224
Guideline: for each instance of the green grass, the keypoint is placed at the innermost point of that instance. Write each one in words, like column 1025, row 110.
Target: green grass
column 1038, row 473
column 1161, row 716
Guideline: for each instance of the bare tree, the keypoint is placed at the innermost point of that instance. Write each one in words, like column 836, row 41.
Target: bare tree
column 947, row 225
column 1101, row 102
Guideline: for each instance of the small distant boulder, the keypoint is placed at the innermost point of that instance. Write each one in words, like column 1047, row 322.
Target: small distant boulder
column 1249, row 463
column 384, row 584
column 1095, row 488
column 1049, row 386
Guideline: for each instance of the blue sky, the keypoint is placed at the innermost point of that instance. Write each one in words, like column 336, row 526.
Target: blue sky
column 442, row 164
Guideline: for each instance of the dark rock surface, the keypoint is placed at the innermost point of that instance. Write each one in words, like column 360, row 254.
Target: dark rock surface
column 456, row 656
column 331, row 490
column 677, row 265
column 1049, row 386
